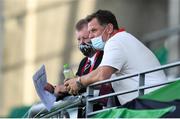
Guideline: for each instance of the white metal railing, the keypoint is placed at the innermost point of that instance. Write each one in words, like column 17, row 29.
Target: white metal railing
column 88, row 101
column 63, row 106
column 140, row 89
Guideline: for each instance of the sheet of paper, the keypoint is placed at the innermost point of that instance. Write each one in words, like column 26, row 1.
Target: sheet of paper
column 40, row 81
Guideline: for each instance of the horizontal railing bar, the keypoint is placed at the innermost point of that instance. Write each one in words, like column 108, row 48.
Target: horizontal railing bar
column 54, row 112
column 111, row 95
column 129, row 91
column 136, row 74
column 113, row 80
column 160, row 84
column 58, row 109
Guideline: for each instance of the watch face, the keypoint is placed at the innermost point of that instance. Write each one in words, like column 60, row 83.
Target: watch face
column 79, row 84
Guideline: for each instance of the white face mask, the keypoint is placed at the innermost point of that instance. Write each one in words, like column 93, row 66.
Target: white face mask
column 98, row 42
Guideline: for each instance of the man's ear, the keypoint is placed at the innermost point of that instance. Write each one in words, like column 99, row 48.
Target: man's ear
column 110, row 28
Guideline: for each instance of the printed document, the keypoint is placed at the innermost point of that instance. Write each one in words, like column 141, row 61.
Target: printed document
column 40, row 81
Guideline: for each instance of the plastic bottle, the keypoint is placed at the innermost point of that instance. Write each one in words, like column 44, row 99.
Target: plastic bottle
column 68, row 73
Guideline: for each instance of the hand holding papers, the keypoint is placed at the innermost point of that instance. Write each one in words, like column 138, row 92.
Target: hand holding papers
column 40, row 80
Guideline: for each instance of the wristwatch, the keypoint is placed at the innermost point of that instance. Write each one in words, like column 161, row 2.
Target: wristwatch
column 79, row 84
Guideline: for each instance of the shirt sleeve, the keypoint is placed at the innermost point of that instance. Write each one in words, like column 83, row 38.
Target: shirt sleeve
column 114, row 55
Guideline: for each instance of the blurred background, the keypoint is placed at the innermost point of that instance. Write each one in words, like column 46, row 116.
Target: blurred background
column 36, row 32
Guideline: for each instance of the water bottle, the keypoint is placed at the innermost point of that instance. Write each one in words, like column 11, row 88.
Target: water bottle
column 68, row 73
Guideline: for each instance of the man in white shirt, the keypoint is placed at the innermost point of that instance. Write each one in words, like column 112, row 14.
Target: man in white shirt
column 123, row 54
column 131, row 56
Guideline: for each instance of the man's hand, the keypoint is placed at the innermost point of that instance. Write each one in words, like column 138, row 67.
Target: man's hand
column 71, row 86
column 49, row 87
column 59, row 90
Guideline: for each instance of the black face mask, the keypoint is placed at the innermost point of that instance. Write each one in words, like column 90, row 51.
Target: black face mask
column 87, row 49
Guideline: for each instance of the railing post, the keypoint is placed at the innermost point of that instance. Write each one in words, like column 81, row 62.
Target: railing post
column 89, row 105
column 141, row 83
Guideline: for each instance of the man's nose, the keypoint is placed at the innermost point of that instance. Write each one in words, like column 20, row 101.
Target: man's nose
column 91, row 35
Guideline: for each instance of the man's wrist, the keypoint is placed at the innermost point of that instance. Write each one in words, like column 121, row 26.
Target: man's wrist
column 55, row 94
column 79, row 84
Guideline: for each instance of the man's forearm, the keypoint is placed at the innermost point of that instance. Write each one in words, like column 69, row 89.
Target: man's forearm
column 90, row 78
column 101, row 73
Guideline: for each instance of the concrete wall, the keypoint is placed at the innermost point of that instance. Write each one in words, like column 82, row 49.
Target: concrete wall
column 138, row 16
column 40, row 32
column 1, row 48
